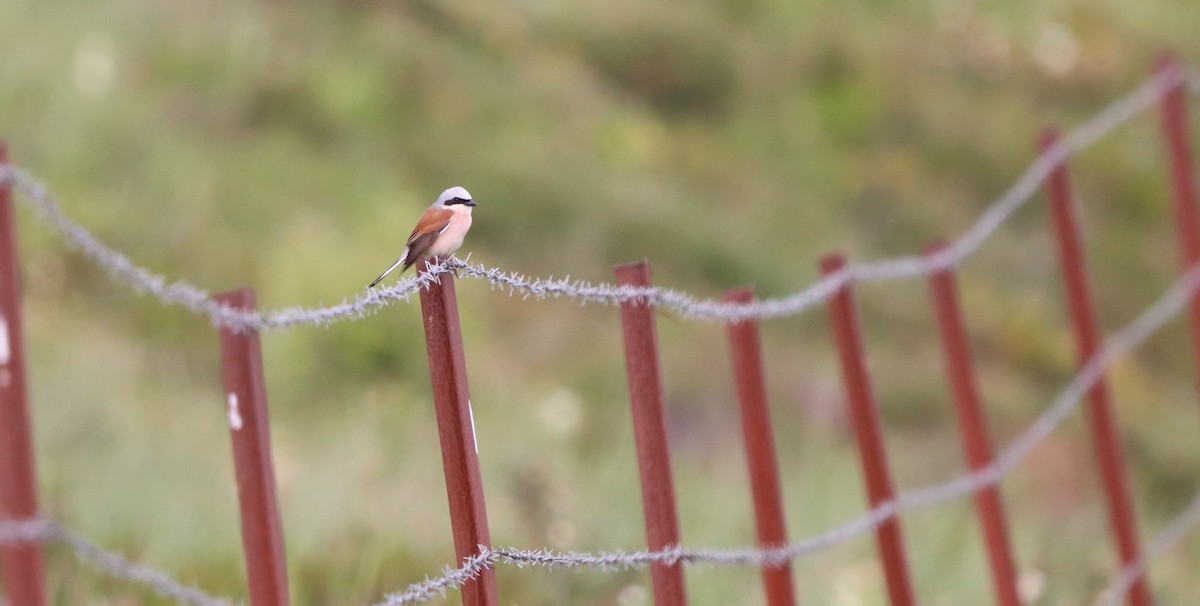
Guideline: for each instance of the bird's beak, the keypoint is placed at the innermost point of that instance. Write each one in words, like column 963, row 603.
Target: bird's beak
column 469, row 203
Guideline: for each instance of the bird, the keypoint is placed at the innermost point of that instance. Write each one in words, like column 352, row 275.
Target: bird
column 439, row 231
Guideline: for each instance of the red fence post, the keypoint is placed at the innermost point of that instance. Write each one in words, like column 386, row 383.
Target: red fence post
column 22, row 564
column 973, row 426
column 1183, row 176
column 1105, row 433
column 650, row 433
column 869, row 433
column 456, row 432
column 250, row 430
column 759, row 440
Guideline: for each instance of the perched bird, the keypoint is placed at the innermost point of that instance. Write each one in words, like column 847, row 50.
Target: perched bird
column 439, row 232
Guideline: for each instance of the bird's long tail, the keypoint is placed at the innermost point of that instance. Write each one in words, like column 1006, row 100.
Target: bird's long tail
column 389, row 270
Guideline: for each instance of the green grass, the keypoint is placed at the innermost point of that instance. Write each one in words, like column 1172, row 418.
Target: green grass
column 290, row 149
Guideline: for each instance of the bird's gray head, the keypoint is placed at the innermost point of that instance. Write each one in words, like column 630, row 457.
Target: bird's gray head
column 453, row 196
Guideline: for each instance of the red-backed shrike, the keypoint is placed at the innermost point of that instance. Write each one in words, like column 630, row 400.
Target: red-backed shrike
column 439, row 232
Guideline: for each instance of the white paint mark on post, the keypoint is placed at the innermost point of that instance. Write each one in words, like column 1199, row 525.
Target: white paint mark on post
column 235, row 416
column 471, row 413
column 5, row 347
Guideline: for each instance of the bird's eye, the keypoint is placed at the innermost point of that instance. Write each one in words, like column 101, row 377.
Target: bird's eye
column 456, row 201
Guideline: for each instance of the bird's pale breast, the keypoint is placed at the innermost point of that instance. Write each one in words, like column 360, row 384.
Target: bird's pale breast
column 452, row 238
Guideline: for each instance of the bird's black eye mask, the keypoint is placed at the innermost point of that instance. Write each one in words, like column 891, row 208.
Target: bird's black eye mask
column 453, row 201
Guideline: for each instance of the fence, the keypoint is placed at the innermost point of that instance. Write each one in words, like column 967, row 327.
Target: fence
column 23, row 533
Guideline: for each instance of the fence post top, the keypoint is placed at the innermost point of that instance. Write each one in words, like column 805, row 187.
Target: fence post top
column 1165, row 62
column 1048, row 137
column 241, row 298
column 635, row 272
column 833, row 262
column 933, row 247
column 741, row 294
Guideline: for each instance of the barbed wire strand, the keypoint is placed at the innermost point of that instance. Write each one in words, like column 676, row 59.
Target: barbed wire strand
column 1121, row 343
column 196, row 300
column 1171, row 535
column 24, row 531
column 110, row 563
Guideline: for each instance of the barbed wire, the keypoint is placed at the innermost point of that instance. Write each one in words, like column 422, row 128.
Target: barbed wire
column 108, row 562
column 1120, row 343
column 24, row 531
column 121, row 269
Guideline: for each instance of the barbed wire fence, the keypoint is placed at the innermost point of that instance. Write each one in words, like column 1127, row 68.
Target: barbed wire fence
column 1166, row 308
column 684, row 305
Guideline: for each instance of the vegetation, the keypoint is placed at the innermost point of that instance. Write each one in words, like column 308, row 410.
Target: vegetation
column 290, row 148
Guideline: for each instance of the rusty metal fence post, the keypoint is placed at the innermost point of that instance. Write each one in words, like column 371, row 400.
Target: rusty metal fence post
column 1183, row 178
column 650, row 434
column 1105, row 433
column 869, row 434
column 456, row 432
column 22, row 563
column 759, row 441
column 972, row 422
column 250, row 431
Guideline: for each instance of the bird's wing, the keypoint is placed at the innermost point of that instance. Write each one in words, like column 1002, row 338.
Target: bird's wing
column 432, row 224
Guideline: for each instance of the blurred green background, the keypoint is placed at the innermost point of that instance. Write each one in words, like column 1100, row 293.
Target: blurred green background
column 291, row 147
